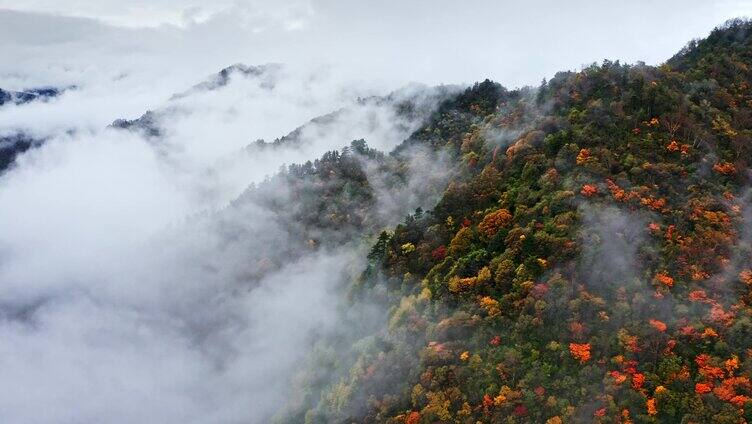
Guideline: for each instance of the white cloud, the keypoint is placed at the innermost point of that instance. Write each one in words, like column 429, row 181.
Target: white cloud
column 154, row 13
column 121, row 264
column 432, row 42
column 124, row 269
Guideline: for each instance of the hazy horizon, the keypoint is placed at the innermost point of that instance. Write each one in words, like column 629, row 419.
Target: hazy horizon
column 151, row 277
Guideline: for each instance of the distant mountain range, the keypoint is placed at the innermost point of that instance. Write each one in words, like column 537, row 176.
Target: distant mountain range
column 17, row 143
column 29, row 95
column 585, row 255
column 408, row 103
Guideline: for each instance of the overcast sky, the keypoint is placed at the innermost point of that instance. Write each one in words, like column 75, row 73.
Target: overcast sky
column 431, row 41
column 123, row 259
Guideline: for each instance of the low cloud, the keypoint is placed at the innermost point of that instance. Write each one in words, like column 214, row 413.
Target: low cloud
column 141, row 282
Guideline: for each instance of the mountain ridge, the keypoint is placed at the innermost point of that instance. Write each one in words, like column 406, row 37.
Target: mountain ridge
column 587, row 262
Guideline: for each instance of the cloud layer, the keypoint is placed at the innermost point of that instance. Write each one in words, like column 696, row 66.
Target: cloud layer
column 125, row 259
column 136, row 277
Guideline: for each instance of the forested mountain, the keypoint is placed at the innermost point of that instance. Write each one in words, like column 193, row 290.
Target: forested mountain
column 588, row 260
column 575, row 252
column 29, row 95
column 15, row 143
column 149, row 123
column 321, row 212
column 409, row 104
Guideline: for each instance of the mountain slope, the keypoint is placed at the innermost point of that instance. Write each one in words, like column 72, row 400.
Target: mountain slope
column 29, row 95
column 588, row 262
column 15, row 143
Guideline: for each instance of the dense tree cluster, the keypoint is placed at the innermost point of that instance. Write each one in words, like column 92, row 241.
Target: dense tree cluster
column 588, row 262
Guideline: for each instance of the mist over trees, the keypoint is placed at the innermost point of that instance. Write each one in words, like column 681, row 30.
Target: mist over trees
column 272, row 245
column 587, row 262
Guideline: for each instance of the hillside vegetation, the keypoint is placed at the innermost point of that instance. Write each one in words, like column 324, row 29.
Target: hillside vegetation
column 588, row 261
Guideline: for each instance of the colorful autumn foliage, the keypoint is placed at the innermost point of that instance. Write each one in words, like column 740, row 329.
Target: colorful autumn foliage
column 658, row 325
column 491, row 306
column 494, row 221
column 745, row 276
column 439, row 253
column 631, row 305
column 618, row 377
column 413, row 418
column 638, row 379
column 580, row 351
column 664, row 279
column 702, row 388
column 589, row 190
column 583, row 156
column 651, row 407
column 725, row 168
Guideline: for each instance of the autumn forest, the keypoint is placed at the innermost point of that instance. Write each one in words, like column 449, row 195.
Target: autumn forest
column 588, row 260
